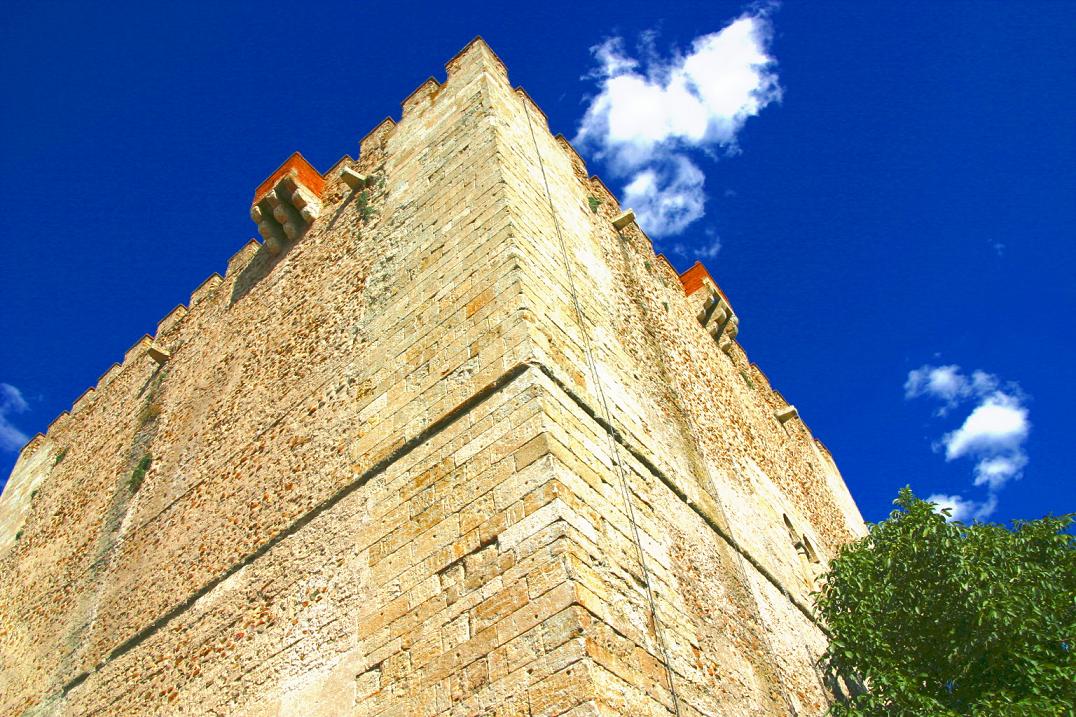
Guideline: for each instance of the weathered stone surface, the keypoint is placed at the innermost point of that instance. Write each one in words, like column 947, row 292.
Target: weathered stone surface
column 384, row 467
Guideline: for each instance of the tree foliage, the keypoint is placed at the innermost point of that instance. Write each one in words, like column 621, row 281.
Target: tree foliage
column 933, row 617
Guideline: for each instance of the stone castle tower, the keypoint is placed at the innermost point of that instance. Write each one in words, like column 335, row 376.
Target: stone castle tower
column 451, row 441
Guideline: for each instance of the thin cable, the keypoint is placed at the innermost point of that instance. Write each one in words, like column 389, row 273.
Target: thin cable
column 614, row 451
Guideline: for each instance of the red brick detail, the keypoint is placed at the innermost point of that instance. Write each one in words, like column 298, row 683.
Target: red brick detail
column 692, row 280
column 304, row 172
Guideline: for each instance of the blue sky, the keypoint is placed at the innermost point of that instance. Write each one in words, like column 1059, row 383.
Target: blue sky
column 886, row 191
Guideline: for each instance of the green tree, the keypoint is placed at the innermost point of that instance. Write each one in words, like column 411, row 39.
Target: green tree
column 934, row 617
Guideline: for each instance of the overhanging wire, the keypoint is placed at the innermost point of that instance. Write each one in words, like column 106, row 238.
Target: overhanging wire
column 613, row 449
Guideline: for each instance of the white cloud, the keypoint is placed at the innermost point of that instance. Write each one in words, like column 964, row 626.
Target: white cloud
column 668, row 198
column 11, row 401
column 993, row 433
column 995, row 472
column 997, row 425
column 948, row 384
column 709, row 251
column 645, row 119
column 962, row 509
column 706, row 248
column 945, row 382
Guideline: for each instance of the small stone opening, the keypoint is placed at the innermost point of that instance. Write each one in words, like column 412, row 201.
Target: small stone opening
column 810, row 565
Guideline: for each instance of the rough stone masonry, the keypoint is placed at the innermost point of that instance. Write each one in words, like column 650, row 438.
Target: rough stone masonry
column 443, row 444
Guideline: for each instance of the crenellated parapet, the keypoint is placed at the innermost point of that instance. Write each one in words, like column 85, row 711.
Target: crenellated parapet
column 477, row 53
column 31, row 468
column 421, row 97
column 372, row 146
column 537, row 115
column 240, row 259
column 32, row 445
column 293, row 197
column 285, row 206
column 83, row 401
column 171, row 320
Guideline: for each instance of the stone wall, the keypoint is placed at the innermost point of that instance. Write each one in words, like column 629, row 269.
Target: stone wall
column 386, row 471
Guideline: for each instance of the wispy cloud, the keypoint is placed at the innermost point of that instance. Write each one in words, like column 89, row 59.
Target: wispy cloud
column 948, row 384
column 706, row 247
column 11, row 402
column 993, row 434
column 668, row 198
column 650, row 115
column 963, row 509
